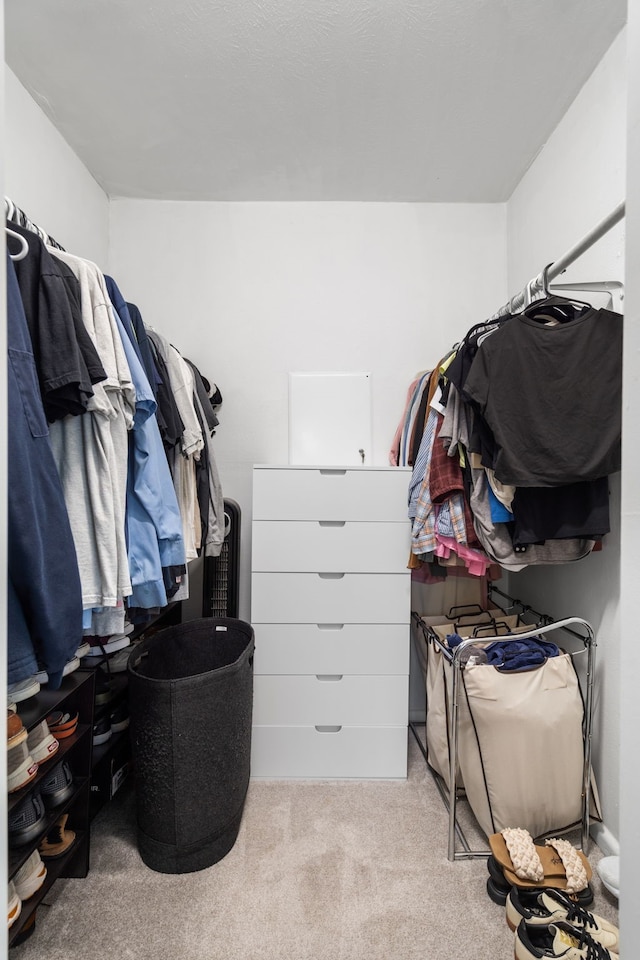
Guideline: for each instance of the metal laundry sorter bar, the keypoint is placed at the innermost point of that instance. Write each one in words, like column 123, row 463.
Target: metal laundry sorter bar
column 452, row 791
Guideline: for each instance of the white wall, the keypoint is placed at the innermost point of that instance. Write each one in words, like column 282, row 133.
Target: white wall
column 577, row 179
column 45, row 178
column 630, row 650
column 252, row 291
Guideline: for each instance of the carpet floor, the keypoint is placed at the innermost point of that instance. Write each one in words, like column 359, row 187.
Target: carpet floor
column 335, row 870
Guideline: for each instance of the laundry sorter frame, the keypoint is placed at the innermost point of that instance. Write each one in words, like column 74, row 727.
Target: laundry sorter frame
column 544, row 624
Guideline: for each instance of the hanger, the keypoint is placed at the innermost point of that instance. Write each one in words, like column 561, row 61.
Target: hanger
column 549, row 307
column 23, row 244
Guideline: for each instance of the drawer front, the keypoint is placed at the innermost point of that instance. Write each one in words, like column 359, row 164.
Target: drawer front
column 330, row 598
column 291, row 493
column 350, row 752
column 330, row 700
column 347, row 648
column 343, row 546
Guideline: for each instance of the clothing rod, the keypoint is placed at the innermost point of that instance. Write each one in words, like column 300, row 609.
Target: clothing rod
column 519, row 301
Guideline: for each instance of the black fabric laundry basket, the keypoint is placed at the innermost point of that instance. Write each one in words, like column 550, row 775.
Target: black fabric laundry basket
column 190, row 704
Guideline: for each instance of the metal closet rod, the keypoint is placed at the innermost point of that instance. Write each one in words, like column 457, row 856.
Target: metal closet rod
column 517, row 303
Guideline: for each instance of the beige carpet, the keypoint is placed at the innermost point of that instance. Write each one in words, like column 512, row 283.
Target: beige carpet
column 320, row 871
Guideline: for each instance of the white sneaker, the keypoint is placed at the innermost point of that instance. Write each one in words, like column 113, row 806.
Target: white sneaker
column 14, row 905
column 41, row 743
column 72, row 664
column 559, row 939
column 110, row 644
column 21, row 767
column 30, row 876
column 17, row 692
column 609, row 872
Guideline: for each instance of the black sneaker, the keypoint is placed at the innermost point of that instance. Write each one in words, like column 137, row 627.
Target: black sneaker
column 120, row 717
column 26, row 820
column 101, row 730
column 58, row 786
column 104, row 691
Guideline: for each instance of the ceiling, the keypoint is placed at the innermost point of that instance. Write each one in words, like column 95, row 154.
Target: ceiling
column 433, row 100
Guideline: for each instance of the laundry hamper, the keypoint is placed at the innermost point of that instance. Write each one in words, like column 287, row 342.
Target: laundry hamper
column 191, row 696
column 520, row 746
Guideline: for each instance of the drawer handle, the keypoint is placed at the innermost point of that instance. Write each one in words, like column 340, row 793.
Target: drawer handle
column 324, row 729
column 331, row 576
column 332, row 473
column 331, row 677
column 332, row 523
column 330, row 626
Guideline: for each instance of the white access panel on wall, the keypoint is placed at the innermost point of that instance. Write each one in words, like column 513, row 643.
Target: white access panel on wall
column 329, row 418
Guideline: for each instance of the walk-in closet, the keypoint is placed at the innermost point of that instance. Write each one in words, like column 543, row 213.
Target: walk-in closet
column 322, row 323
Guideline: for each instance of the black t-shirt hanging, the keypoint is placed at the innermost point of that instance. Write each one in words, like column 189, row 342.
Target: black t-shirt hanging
column 552, row 396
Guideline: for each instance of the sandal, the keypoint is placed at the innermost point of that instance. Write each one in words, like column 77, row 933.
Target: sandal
column 525, row 864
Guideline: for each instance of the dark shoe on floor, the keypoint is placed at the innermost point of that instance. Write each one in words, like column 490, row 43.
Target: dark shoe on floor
column 58, row 839
column 26, row 820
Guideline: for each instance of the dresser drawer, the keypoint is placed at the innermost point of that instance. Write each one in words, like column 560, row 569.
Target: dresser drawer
column 355, row 752
column 343, row 546
column 330, row 598
column 348, row 648
column 330, row 699
column 323, row 493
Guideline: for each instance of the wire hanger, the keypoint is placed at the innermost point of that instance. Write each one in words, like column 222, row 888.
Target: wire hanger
column 23, row 245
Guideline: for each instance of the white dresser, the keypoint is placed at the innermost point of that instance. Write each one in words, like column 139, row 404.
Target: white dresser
column 331, row 605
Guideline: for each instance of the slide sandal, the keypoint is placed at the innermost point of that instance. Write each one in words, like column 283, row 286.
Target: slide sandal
column 557, row 864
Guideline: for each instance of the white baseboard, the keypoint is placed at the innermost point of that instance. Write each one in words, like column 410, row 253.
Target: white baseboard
column 605, row 839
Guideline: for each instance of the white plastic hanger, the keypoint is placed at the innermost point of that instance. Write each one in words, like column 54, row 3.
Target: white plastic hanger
column 23, row 245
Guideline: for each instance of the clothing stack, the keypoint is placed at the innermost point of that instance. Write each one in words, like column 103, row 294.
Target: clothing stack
column 513, row 437
column 113, row 480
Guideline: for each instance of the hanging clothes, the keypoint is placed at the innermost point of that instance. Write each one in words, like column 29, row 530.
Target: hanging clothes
column 44, row 593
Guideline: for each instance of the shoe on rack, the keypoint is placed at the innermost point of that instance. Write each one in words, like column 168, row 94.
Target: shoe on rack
column 101, row 730
column 105, row 645
column 26, row 820
column 57, row 786
column 540, row 908
column 58, row 839
column 62, row 725
column 104, row 689
column 28, row 928
column 22, row 690
column 72, row 664
column 559, row 939
column 83, row 650
column 21, row 767
column 14, row 905
column 16, row 732
column 41, row 742
column 117, row 661
column 30, row 876
column 120, row 717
